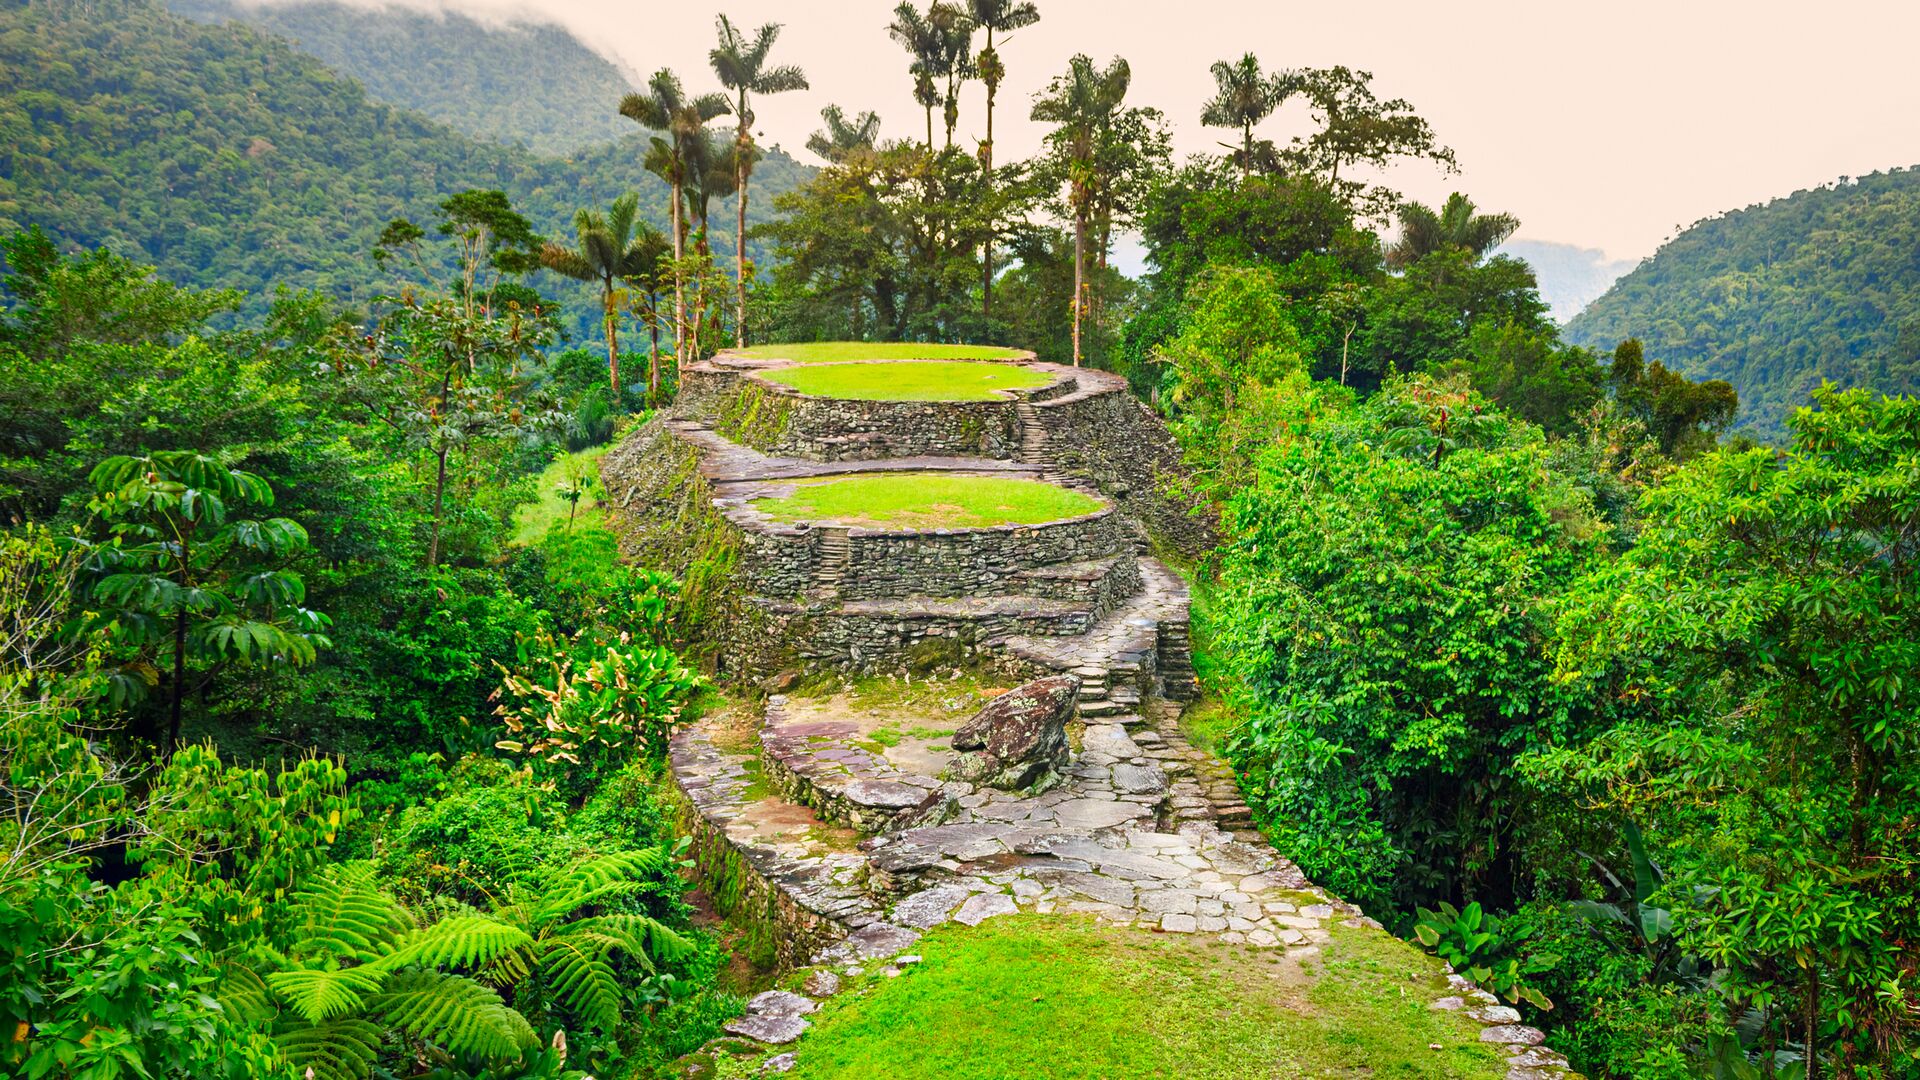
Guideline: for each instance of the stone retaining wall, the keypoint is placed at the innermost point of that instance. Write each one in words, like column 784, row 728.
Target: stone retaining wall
column 1105, row 434
column 776, row 419
column 781, row 560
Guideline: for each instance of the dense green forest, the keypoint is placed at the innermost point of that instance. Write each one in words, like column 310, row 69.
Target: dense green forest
column 228, row 159
column 534, row 85
column 1820, row 285
column 332, row 720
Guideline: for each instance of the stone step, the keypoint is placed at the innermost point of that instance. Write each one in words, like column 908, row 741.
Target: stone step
column 1100, row 707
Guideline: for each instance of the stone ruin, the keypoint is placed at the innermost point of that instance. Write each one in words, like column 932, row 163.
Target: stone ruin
column 1074, row 792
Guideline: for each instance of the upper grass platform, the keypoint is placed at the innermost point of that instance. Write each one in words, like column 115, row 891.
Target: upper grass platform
column 827, row 352
column 910, row 380
column 905, row 500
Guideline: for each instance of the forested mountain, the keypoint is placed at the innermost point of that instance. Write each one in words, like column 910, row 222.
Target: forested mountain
column 227, row 158
column 537, row 86
column 1822, row 284
column 1571, row 277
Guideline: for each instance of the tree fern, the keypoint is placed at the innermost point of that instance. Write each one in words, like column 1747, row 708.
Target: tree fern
column 469, row 941
column 335, row 1050
column 458, row 1014
column 342, row 913
column 319, row 995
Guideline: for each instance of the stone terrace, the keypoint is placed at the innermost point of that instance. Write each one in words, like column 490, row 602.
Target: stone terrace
column 849, row 848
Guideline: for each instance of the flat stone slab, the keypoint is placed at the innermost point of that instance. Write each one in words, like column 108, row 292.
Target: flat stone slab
column 876, row 941
column 930, row 907
column 1097, row 814
column 767, row 1028
column 781, row 1003
column 983, row 906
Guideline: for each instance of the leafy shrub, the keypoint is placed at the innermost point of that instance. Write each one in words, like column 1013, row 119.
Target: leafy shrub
column 1473, row 941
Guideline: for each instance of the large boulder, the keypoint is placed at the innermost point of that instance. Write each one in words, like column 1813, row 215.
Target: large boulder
column 1019, row 741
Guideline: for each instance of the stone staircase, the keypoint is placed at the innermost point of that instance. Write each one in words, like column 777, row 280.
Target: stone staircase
column 835, row 550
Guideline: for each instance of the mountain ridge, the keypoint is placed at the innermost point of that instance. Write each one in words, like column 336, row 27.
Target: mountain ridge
column 532, row 84
column 1777, row 297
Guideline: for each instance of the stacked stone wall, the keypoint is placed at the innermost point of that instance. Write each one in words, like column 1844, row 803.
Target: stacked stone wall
column 1110, row 438
column 776, row 419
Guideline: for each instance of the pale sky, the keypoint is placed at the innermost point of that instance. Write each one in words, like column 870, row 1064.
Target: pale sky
column 1601, row 125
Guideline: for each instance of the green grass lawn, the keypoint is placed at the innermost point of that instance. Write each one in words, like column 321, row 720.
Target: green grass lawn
column 532, row 520
column 924, row 380
column 1046, row 998
column 923, row 501
column 821, row 352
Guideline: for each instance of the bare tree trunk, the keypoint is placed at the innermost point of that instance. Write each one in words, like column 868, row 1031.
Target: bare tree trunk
column 439, row 501
column 179, row 682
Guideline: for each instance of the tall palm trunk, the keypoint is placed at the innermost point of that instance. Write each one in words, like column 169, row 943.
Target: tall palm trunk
column 986, row 174
column 679, row 284
column 613, row 339
column 1079, row 271
column 653, row 348
column 740, row 247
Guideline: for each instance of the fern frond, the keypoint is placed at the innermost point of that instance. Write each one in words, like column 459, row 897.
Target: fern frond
column 459, row 1014
column 319, row 995
column 580, row 970
column 335, row 1050
column 341, row 913
column 461, row 941
column 653, row 939
column 593, row 878
column 243, row 994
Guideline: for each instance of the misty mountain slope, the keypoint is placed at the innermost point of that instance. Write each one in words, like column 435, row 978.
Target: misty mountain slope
column 534, row 85
column 1821, row 284
column 1570, row 276
column 225, row 157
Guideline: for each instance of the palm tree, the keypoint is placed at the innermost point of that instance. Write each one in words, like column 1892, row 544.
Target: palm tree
column 1004, row 17
column 1455, row 228
column 1079, row 104
column 952, row 57
column 611, row 249
column 711, row 173
column 921, row 38
column 842, row 140
column 1243, row 97
column 666, row 107
column 742, row 69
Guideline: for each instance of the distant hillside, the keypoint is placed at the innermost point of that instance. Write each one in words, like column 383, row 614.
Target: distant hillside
column 537, row 86
column 227, row 158
column 1570, row 276
column 1822, row 284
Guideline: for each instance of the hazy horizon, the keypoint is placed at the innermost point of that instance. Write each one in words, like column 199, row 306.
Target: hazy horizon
column 1602, row 132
